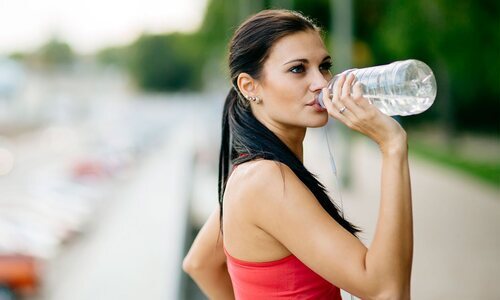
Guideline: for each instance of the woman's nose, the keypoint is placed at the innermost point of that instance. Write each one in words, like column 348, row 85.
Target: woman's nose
column 318, row 82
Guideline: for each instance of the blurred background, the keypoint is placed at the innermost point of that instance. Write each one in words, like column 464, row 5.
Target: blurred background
column 109, row 137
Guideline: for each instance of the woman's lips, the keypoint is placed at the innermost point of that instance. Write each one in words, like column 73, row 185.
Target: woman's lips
column 318, row 107
column 314, row 104
column 311, row 102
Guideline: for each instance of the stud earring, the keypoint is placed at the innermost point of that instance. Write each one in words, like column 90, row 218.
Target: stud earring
column 254, row 99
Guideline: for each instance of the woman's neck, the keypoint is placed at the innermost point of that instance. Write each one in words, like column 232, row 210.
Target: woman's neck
column 293, row 137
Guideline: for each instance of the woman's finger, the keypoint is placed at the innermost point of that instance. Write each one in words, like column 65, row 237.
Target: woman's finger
column 345, row 111
column 357, row 90
column 337, row 88
column 357, row 95
column 347, row 99
column 333, row 108
column 352, row 101
column 347, row 85
column 327, row 100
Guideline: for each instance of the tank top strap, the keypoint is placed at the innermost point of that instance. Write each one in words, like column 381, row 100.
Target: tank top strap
column 236, row 165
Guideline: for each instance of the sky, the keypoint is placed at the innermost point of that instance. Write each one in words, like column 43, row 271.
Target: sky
column 89, row 25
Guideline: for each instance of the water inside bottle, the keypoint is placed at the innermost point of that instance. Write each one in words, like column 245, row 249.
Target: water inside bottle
column 397, row 105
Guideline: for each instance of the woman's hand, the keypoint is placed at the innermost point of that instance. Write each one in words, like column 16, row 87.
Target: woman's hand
column 360, row 115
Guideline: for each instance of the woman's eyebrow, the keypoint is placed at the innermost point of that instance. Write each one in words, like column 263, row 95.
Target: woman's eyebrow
column 328, row 57
column 305, row 60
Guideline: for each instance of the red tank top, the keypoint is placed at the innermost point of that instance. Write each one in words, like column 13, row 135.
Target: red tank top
column 286, row 278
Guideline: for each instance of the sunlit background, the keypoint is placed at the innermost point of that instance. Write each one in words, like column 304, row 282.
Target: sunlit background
column 109, row 129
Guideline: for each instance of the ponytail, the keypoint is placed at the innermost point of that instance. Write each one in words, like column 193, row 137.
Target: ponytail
column 226, row 149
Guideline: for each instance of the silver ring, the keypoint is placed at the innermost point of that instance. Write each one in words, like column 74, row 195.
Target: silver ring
column 342, row 110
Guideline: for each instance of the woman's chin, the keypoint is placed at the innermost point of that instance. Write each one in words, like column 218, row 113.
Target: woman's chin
column 318, row 121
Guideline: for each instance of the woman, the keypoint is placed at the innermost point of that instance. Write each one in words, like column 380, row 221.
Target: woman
column 282, row 238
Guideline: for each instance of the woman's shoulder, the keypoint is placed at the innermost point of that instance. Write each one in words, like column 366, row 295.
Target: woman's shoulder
column 259, row 167
column 260, row 173
column 262, row 179
column 246, row 201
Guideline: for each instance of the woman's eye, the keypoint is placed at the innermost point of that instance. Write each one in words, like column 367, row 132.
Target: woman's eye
column 297, row 69
column 326, row 66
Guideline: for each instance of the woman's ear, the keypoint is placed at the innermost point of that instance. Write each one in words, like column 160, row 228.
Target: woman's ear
column 247, row 85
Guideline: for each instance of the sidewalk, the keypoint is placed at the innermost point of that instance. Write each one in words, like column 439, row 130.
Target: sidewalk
column 456, row 219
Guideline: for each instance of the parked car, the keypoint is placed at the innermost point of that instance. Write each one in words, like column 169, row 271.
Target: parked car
column 19, row 276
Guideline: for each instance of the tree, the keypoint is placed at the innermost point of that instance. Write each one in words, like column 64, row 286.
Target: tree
column 55, row 53
column 460, row 40
column 165, row 62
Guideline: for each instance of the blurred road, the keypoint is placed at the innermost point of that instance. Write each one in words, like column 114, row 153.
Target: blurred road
column 133, row 246
column 135, row 251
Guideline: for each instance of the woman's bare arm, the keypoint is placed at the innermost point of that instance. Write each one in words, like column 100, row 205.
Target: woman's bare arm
column 393, row 240
column 206, row 261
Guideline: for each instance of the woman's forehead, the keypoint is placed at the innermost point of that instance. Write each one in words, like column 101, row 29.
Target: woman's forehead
column 300, row 45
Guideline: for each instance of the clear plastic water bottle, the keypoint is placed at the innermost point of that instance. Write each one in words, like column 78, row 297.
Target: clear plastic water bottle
column 402, row 88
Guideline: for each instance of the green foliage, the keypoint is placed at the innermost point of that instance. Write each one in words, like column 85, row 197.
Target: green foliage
column 19, row 56
column 459, row 40
column 165, row 62
column 221, row 19
column 319, row 11
column 116, row 56
column 488, row 172
column 55, row 53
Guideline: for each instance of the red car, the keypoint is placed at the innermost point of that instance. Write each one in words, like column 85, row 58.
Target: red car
column 18, row 274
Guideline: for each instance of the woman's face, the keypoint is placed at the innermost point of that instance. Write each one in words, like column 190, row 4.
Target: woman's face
column 297, row 68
